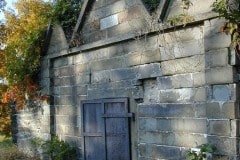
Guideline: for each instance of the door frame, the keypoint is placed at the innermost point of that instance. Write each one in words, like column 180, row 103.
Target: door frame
column 105, row 116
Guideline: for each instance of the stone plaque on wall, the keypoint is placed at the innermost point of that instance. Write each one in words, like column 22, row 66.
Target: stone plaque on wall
column 108, row 22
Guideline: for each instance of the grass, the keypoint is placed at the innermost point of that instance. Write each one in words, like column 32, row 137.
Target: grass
column 9, row 151
column 5, row 143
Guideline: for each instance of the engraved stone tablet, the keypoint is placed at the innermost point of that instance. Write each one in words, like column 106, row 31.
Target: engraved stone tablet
column 108, row 22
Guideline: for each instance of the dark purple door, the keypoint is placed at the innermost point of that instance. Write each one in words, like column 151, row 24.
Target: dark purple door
column 105, row 129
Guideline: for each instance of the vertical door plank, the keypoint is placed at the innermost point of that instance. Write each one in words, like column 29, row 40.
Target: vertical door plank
column 93, row 130
column 93, row 123
column 117, row 132
column 94, row 149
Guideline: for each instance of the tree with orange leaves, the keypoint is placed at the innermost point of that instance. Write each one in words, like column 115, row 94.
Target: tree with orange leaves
column 21, row 44
column 21, row 40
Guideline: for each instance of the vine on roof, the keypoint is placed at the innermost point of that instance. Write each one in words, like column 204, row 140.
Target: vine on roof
column 230, row 10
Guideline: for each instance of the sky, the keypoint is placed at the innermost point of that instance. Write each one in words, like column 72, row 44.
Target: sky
column 10, row 4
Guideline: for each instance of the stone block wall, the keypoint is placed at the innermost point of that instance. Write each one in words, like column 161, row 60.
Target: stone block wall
column 32, row 124
column 181, row 82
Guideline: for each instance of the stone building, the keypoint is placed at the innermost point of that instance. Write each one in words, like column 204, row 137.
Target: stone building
column 138, row 88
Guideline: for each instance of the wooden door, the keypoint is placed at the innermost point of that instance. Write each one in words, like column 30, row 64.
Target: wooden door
column 105, row 129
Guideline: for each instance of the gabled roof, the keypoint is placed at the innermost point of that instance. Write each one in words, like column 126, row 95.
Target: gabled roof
column 85, row 5
column 161, row 11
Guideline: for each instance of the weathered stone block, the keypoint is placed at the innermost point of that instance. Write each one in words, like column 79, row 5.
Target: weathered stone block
column 66, row 90
column 114, row 85
column 81, row 79
column 139, row 25
column 136, row 58
column 221, row 93
column 63, row 61
column 230, row 110
column 107, row 64
column 60, row 129
column 184, row 49
column 86, row 57
column 81, row 90
column 165, row 82
column 107, row 93
column 183, row 65
column 193, row 10
column 183, row 95
column 151, row 93
column 148, row 71
column 62, row 120
column 211, row 27
column 80, row 68
column 219, row 127
column 45, row 129
column 235, row 128
column 224, row 145
column 66, row 110
column 173, row 125
column 132, row 13
column 122, row 74
column 55, row 72
column 180, row 36
column 55, row 90
column 199, row 79
column 137, row 92
column 227, row 110
column 121, row 28
column 188, row 125
column 149, row 43
column 217, row 58
column 206, row 6
column 151, row 151
column 91, row 27
column 200, row 110
column 224, row 157
column 224, row 92
column 45, row 109
column 166, row 110
column 45, row 120
column 101, row 77
column 213, row 74
column 148, row 124
column 172, row 139
column 176, row 81
column 65, row 100
column 131, row 3
column 45, row 72
column 92, row 37
column 161, row 138
column 45, row 86
column 134, row 92
column 66, row 81
column 120, row 49
column 58, row 41
column 234, row 59
column 217, row 41
column 105, row 11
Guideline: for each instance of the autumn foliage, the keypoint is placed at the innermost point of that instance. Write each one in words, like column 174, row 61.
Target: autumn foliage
column 4, row 114
column 21, row 41
column 23, row 37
